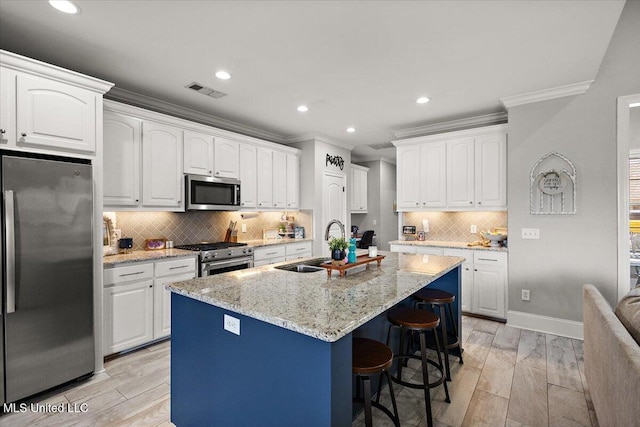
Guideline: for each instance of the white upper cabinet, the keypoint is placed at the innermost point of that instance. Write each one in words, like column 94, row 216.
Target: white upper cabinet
column 421, row 176
column 460, row 177
column 293, row 181
column 265, row 178
column 121, row 160
column 464, row 170
column 279, row 180
column 198, row 153
column 226, row 158
column 248, row 176
column 359, row 189
column 491, row 170
column 162, row 178
column 44, row 108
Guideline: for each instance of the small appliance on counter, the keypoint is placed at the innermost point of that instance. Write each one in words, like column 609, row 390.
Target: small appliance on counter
column 126, row 245
column 409, row 232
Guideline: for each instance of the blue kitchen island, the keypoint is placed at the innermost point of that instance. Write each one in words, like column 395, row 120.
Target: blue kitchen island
column 270, row 347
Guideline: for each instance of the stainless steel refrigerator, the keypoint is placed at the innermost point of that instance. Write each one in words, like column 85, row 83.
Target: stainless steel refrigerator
column 47, row 273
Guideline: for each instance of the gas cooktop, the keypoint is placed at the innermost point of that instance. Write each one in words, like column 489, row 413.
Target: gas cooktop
column 210, row 246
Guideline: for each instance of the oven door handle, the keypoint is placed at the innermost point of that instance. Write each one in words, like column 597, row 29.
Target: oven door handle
column 209, row 266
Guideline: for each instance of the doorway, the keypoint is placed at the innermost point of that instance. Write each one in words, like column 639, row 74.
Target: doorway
column 334, row 204
column 628, row 138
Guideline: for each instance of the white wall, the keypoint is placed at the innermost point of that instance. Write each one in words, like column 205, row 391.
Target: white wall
column 580, row 248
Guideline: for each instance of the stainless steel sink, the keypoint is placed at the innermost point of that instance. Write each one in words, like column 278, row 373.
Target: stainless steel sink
column 310, row 266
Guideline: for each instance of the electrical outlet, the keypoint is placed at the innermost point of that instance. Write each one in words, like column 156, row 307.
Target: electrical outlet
column 117, row 233
column 244, row 227
column 526, row 295
column 375, row 222
column 473, row 229
column 231, row 324
column 531, row 233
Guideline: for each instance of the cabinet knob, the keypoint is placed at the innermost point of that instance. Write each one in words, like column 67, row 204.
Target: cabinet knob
column 475, row 269
column 3, row 131
column 417, row 204
column 137, row 200
column 479, row 203
column 210, row 171
column 470, row 202
column 217, row 173
column 23, row 134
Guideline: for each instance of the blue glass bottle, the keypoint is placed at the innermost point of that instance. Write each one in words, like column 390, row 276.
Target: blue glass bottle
column 352, row 251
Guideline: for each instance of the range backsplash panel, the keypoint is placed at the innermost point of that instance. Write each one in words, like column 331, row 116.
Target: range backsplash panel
column 455, row 226
column 194, row 226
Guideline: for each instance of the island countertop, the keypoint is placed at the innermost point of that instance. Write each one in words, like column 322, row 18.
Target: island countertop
column 326, row 308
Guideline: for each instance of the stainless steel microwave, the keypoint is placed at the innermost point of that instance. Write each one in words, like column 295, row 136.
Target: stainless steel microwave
column 206, row 193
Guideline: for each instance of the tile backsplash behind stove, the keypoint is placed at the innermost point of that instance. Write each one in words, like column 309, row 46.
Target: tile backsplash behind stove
column 195, row 226
column 455, row 226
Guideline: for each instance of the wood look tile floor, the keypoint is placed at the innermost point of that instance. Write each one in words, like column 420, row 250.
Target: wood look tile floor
column 510, row 377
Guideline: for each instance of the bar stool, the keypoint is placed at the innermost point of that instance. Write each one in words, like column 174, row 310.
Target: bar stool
column 436, row 297
column 421, row 322
column 372, row 357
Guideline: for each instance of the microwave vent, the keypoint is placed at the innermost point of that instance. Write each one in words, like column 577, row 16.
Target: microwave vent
column 206, row 90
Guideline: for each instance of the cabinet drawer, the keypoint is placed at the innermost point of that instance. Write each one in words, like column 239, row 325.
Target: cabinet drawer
column 429, row 250
column 297, row 248
column 464, row 253
column 270, row 252
column 407, row 249
column 490, row 258
column 175, row 266
column 137, row 271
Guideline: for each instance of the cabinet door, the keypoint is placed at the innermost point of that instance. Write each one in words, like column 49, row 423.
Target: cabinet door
column 434, row 175
column 466, row 276
column 265, row 178
column 408, row 177
column 359, row 190
column 491, row 171
column 460, row 175
column 7, row 107
column 293, row 182
column 198, row 153
column 279, row 186
column 488, row 290
column 226, row 158
column 51, row 114
column 121, row 160
column 128, row 316
column 161, row 165
column 162, row 304
column 248, row 176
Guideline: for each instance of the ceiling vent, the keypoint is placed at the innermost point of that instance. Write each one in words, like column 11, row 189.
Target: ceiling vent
column 382, row 146
column 206, row 90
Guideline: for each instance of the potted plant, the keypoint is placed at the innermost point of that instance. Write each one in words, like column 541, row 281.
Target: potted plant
column 338, row 246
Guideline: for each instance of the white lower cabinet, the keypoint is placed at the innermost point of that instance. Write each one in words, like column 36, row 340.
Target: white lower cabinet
column 484, row 281
column 295, row 251
column 268, row 255
column 137, row 307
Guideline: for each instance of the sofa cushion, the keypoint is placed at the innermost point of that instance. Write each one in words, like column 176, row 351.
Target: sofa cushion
column 628, row 311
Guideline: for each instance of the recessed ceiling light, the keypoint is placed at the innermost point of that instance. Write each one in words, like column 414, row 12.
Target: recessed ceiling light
column 351, row 130
column 422, row 100
column 64, row 6
column 223, row 75
column 303, row 108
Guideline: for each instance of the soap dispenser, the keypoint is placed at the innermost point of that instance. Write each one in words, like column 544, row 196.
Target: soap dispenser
column 351, row 258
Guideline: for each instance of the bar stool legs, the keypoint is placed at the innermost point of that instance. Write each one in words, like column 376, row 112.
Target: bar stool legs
column 420, row 322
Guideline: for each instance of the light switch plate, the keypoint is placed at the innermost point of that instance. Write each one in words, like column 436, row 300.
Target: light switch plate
column 531, row 233
column 231, row 324
column 473, row 229
column 244, row 227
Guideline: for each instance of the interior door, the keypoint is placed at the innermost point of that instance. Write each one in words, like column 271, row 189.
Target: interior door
column 334, row 204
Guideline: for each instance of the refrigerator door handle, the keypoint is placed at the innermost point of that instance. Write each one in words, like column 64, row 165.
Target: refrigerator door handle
column 10, row 250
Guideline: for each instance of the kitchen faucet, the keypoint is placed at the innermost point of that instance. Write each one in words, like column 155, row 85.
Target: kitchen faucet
column 334, row 221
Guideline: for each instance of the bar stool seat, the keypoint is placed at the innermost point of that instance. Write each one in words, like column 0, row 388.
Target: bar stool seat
column 421, row 322
column 450, row 340
column 371, row 357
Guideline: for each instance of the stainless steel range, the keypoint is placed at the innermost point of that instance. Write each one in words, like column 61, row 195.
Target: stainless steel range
column 221, row 257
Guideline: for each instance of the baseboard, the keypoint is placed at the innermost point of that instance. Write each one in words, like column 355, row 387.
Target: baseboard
column 548, row 325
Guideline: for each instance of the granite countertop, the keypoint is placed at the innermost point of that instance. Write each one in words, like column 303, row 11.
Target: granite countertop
column 270, row 242
column 137, row 256
column 446, row 244
column 313, row 304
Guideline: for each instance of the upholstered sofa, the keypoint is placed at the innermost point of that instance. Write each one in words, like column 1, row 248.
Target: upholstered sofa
column 612, row 361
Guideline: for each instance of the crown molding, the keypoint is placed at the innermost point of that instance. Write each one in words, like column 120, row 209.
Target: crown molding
column 144, row 101
column 469, row 122
column 464, row 133
column 317, row 137
column 363, row 159
column 546, row 94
